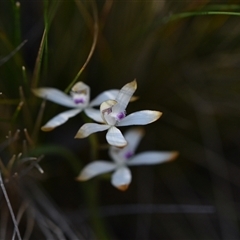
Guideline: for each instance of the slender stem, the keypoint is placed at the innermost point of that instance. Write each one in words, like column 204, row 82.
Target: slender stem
column 191, row 14
column 95, row 37
column 91, row 191
column 10, row 207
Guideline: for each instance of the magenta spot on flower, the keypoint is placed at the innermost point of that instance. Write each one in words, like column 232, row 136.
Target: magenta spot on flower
column 121, row 115
column 107, row 111
column 78, row 100
column 128, row 155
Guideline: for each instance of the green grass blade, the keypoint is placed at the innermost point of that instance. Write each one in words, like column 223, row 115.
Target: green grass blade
column 43, row 48
column 16, row 7
column 10, row 55
column 200, row 13
column 36, row 72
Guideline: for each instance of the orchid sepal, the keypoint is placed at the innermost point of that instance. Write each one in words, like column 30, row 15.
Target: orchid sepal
column 89, row 128
column 152, row 157
column 143, row 117
column 60, row 119
column 95, row 168
column 54, row 95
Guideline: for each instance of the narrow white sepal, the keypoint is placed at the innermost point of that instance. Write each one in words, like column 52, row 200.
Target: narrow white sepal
column 114, row 137
column 89, row 128
column 133, row 137
column 140, row 118
column 95, row 168
column 55, row 95
column 121, row 178
column 94, row 114
column 124, row 96
column 60, row 119
column 152, row 157
column 104, row 96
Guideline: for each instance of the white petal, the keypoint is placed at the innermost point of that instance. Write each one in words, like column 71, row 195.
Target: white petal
column 81, row 91
column 114, row 137
column 54, row 95
column 106, row 112
column 153, row 157
column 121, row 178
column 140, row 118
column 89, row 128
column 60, row 119
column 94, row 114
column 124, row 96
column 104, row 96
column 81, row 87
column 95, row 168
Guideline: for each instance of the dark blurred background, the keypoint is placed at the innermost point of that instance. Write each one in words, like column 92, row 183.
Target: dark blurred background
column 186, row 67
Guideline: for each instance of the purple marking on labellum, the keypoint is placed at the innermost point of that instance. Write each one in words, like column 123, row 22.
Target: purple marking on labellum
column 128, row 155
column 107, row 111
column 78, row 100
column 121, row 115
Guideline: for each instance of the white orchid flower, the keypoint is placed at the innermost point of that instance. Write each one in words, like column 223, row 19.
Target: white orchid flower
column 78, row 100
column 114, row 115
column 124, row 157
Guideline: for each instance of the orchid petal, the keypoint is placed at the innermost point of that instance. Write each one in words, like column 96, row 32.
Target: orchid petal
column 106, row 112
column 95, row 168
column 121, row 178
column 80, row 87
column 60, row 119
column 152, row 157
column 81, row 91
column 89, row 128
column 114, row 137
column 140, row 118
column 104, row 96
column 54, row 95
column 94, row 114
column 124, row 96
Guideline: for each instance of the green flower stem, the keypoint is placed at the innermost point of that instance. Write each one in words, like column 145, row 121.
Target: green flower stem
column 91, row 190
